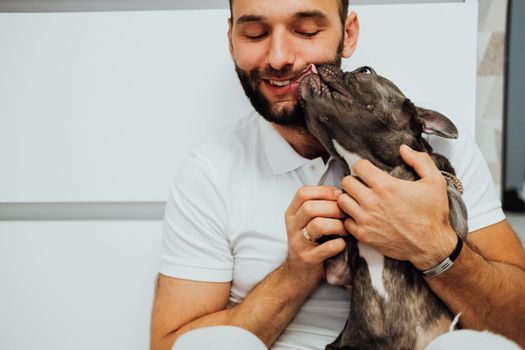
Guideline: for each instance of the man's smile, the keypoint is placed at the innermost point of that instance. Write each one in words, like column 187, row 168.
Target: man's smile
column 281, row 87
column 276, row 88
column 280, row 83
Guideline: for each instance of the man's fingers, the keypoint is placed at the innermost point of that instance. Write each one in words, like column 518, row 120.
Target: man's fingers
column 371, row 175
column 328, row 249
column 355, row 188
column 420, row 161
column 307, row 193
column 319, row 227
column 350, row 206
column 350, row 225
column 318, row 208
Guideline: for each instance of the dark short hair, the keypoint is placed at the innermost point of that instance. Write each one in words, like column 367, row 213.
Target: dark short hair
column 343, row 10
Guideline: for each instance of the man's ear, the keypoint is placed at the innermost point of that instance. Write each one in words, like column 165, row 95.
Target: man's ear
column 435, row 123
column 351, row 34
column 230, row 43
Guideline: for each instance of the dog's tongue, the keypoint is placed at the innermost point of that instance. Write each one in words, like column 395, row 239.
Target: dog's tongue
column 311, row 69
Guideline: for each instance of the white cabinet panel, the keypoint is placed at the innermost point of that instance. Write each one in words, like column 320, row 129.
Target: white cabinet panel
column 77, row 285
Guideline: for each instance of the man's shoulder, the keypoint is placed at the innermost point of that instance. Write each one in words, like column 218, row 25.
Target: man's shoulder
column 232, row 141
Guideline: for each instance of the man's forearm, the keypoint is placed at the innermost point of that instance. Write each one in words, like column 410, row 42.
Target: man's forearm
column 488, row 294
column 265, row 311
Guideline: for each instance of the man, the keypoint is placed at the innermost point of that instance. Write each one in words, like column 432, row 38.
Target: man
column 226, row 259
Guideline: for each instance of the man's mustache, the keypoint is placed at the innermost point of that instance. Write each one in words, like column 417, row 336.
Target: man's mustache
column 285, row 72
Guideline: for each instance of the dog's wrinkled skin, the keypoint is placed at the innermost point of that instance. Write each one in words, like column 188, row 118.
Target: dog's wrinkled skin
column 356, row 115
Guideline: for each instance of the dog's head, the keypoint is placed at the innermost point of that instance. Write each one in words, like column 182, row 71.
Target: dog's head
column 366, row 115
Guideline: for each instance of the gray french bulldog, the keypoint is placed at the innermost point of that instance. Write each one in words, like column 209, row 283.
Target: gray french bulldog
column 357, row 115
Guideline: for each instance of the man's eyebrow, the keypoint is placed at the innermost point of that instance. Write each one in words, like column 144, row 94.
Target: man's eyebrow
column 249, row 19
column 314, row 14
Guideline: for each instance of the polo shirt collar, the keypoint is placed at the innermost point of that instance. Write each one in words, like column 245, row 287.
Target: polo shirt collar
column 280, row 154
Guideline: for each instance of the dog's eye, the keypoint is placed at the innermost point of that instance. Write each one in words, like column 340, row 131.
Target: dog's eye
column 366, row 70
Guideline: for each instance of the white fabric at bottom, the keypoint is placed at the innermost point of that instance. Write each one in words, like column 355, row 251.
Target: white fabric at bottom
column 235, row 338
column 467, row 339
column 219, row 338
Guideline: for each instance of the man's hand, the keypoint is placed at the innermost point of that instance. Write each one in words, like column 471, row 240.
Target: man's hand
column 314, row 208
column 404, row 220
column 181, row 305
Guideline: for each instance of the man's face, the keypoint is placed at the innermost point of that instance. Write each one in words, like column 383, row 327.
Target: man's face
column 272, row 42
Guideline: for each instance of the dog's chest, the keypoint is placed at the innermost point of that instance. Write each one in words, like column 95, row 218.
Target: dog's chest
column 349, row 157
column 374, row 259
column 375, row 262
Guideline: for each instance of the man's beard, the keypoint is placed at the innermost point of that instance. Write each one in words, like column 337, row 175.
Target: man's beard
column 290, row 115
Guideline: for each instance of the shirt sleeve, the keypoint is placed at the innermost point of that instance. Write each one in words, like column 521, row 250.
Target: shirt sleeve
column 480, row 197
column 194, row 243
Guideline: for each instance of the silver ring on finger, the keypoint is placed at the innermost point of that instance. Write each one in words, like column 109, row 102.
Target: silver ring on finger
column 307, row 235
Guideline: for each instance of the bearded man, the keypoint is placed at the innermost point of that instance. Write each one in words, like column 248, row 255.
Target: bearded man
column 229, row 258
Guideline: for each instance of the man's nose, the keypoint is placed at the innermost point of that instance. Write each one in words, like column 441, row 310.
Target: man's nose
column 280, row 52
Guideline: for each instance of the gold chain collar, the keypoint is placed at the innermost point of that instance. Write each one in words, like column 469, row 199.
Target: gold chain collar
column 457, row 184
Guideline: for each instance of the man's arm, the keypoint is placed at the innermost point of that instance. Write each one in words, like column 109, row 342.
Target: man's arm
column 179, row 302
column 487, row 283
column 409, row 221
column 182, row 305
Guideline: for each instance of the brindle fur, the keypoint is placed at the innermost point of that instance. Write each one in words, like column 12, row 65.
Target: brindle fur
column 369, row 116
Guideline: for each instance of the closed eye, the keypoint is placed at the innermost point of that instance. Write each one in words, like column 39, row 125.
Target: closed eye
column 256, row 37
column 308, row 34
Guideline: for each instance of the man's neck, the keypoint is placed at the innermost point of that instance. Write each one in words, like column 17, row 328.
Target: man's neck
column 302, row 141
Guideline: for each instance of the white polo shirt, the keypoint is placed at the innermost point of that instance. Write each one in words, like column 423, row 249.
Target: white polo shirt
column 224, row 218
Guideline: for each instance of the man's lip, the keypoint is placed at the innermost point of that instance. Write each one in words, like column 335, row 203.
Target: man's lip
column 296, row 79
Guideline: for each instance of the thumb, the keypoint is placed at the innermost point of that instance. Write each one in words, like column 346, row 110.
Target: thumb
column 419, row 161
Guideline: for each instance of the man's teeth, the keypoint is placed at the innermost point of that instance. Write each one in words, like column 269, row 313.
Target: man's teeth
column 280, row 83
column 311, row 68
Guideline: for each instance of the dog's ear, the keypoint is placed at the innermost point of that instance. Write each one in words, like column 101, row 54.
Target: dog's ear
column 435, row 123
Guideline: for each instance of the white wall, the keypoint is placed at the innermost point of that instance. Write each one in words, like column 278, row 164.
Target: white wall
column 101, row 107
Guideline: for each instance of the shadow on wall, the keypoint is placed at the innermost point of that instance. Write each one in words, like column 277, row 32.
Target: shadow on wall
column 514, row 116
